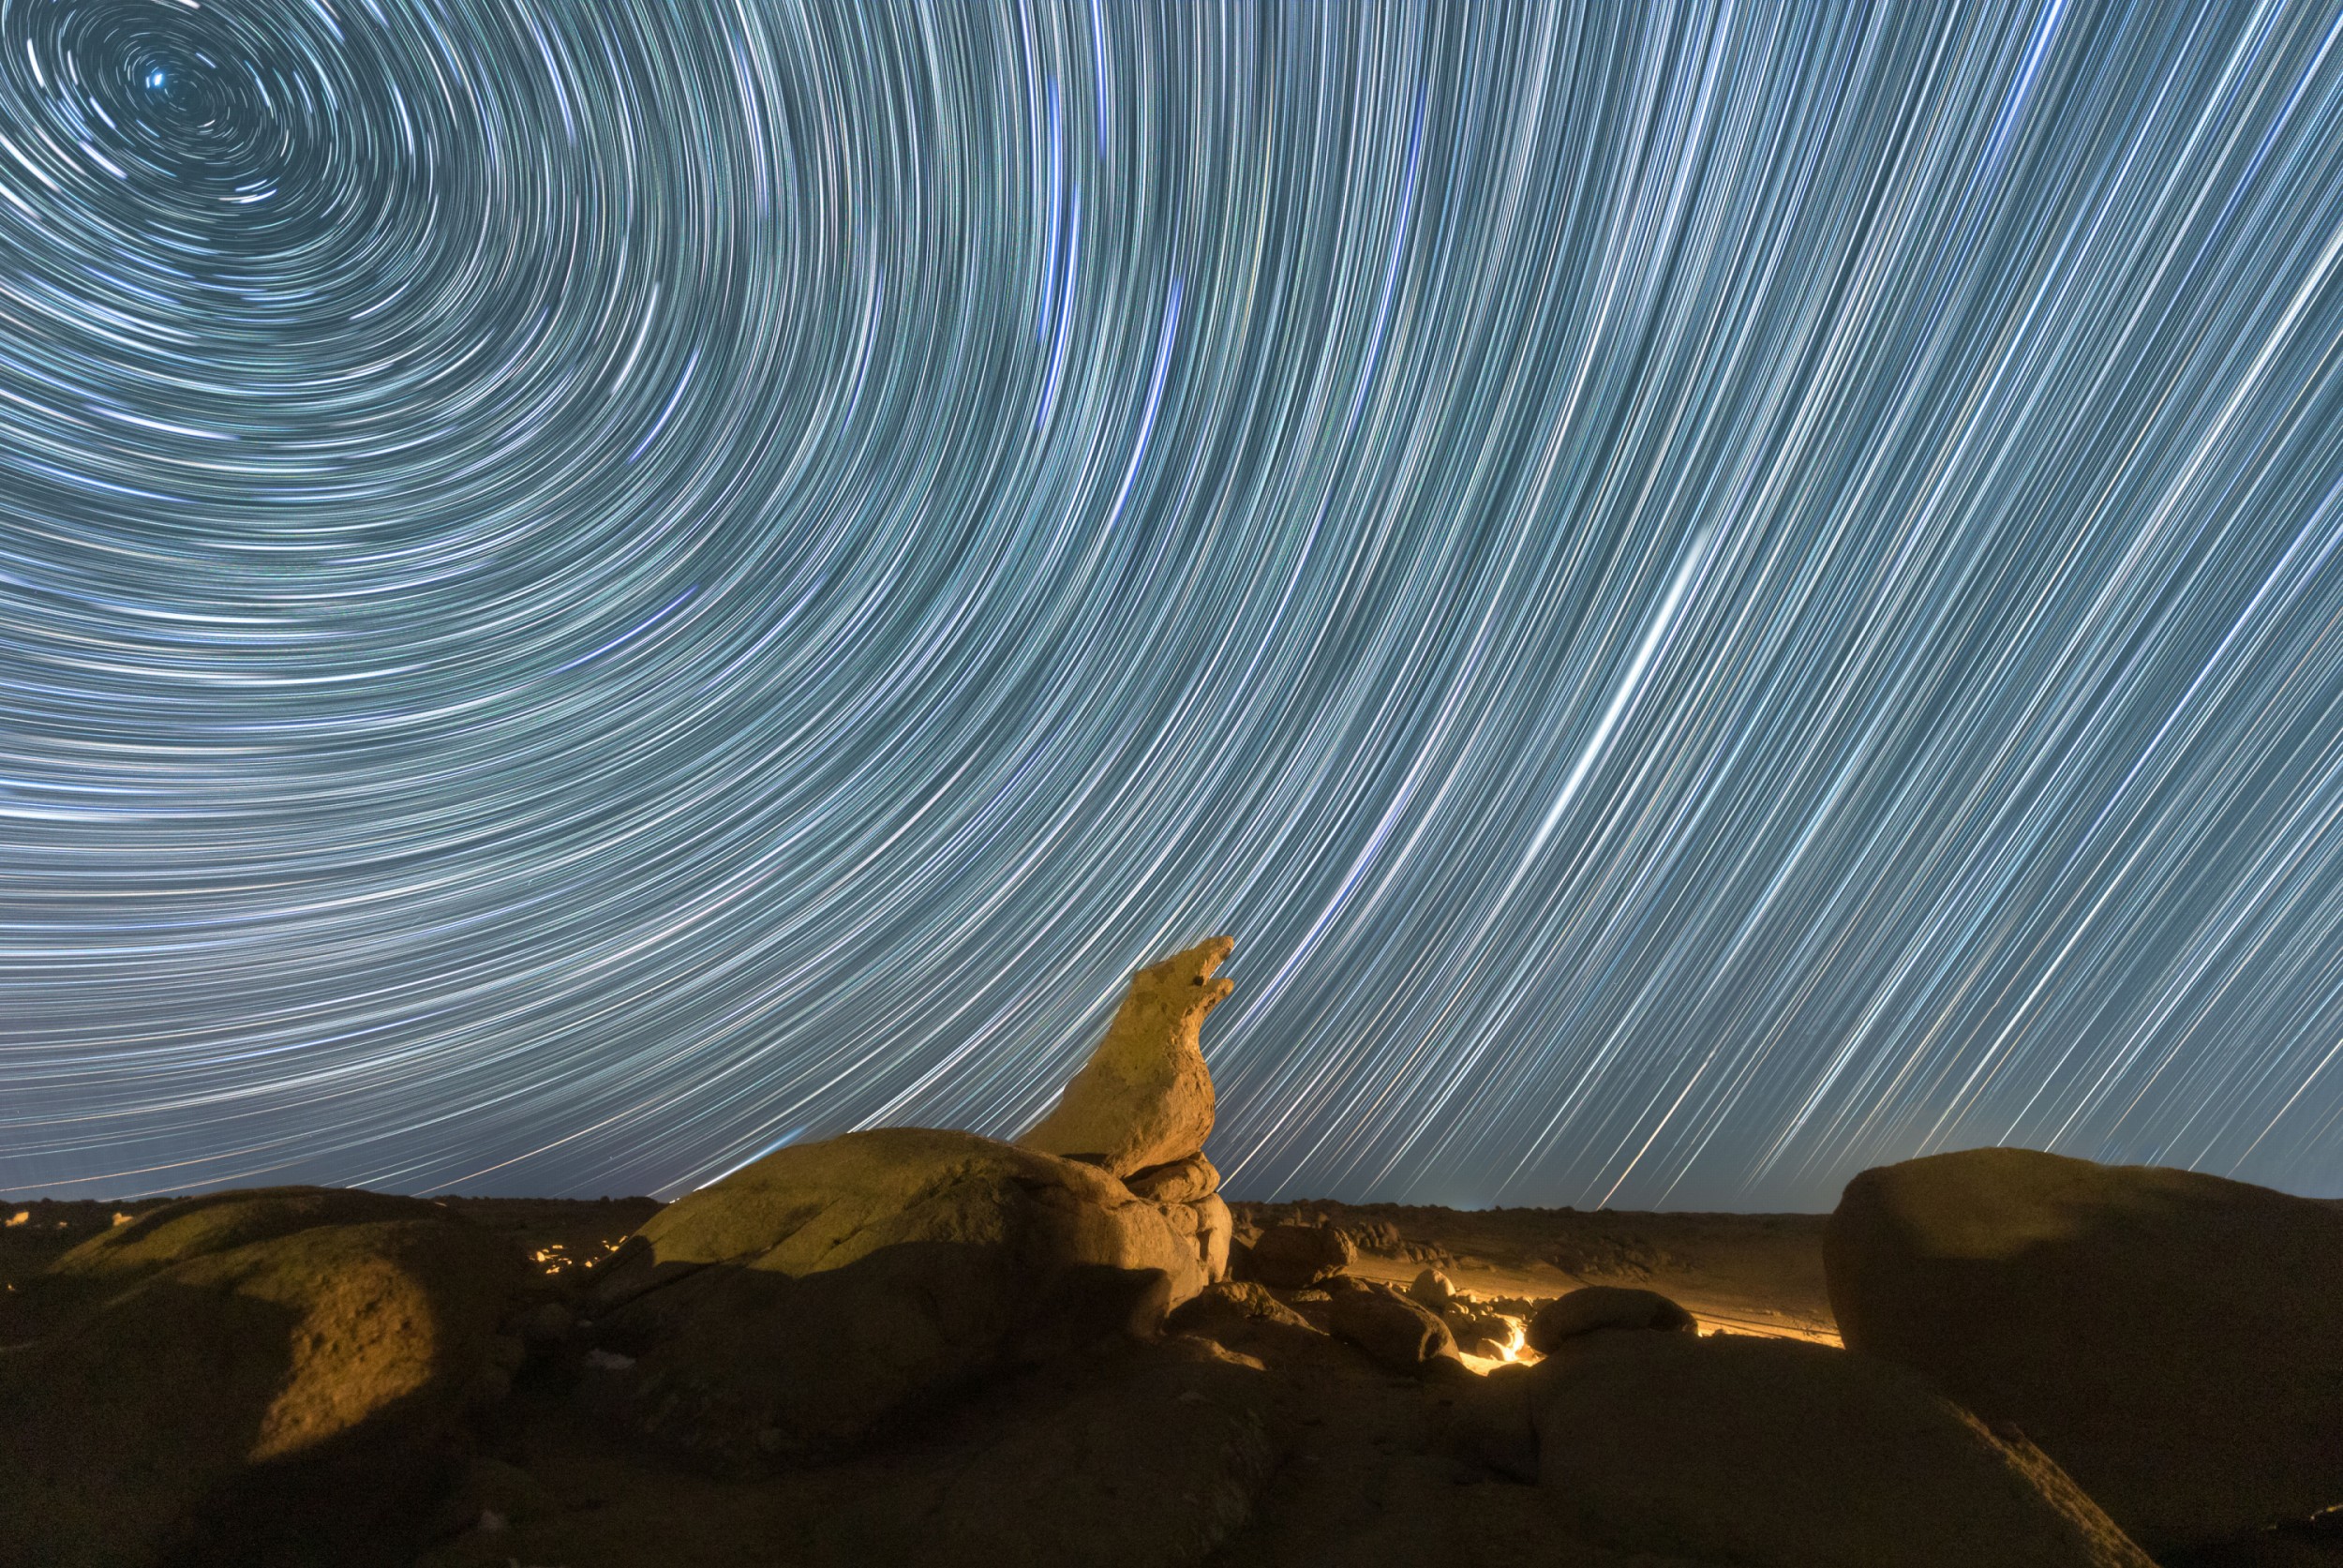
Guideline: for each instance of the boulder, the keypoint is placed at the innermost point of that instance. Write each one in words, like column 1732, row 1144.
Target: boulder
column 1779, row 1454
column 2173, row 1341
column 265, row 1401
column 1595, row 1308
column 1296, row 1256
column 1492, row 1422
column 1231, row 1303
column 1144, row 1097
column 1151, row 1459
column 1089, row 1303
column 806, row 1301
column 1391, row 1329
column 220, row 1221
column 1432, row 1290
column 1143, row 1455
column 1213, row 1241
column 1181, row 1181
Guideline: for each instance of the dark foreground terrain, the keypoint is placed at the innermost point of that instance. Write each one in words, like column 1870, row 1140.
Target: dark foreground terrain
column 1248, row 1431
column 922, row 1347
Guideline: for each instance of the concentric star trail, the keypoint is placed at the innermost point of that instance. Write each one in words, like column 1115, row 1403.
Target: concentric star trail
column 1715, row 595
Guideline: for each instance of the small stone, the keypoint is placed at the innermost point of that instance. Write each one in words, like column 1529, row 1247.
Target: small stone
column 1432, row 1289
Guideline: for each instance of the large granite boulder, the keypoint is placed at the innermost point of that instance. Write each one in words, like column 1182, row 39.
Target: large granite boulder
column 1777, row 1454
column 2173, row 1341
column 826, row 1291
column 1144, row 1097
column 255, row 1400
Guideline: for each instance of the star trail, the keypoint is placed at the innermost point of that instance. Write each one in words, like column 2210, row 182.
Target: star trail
column 1715, row 595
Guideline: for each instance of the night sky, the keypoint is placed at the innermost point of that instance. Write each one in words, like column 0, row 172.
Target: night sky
column 1714, row 597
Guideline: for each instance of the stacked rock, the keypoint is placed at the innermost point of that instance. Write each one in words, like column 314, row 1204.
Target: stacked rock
column 806, row 1301
column 1142, row 1107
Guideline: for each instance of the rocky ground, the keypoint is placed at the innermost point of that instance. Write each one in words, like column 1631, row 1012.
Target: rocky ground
column 1744, row 1273
column 1318, row 1451
column 920, row 1347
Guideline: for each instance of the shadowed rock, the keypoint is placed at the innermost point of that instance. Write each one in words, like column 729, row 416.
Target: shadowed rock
column 1139, row 1455
column 1391, row 1329
column 1231, row 1303
column 1144, row 1097
column 1776, row 1454
column 1599, row 1307
column 255, row 1402
column 2174, row 1340
column 1150, row 1457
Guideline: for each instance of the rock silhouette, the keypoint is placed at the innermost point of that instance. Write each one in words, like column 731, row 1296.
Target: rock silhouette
column 2173, row 1341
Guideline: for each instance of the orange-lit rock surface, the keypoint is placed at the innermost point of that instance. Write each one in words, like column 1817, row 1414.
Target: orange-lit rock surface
column 1144, row 1097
